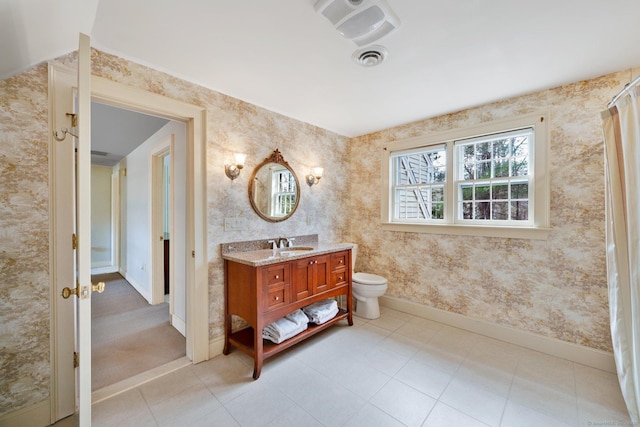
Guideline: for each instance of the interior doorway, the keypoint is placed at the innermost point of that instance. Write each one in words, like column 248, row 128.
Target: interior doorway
column 139, row 322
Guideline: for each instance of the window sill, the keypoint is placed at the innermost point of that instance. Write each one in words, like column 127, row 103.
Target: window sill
column 531, row 233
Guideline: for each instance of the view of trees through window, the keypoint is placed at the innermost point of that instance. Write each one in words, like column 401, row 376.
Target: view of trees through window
column 492, row 179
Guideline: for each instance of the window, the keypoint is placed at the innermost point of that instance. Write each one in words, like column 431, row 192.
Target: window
column 493, row 178
column 283, row 194
column 418, row 184
column 483, row 180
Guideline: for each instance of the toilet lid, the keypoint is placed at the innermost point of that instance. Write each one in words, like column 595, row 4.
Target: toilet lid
column 369, row 279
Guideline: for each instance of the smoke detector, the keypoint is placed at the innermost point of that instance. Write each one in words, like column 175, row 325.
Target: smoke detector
column 369, row 56
column 361, row 21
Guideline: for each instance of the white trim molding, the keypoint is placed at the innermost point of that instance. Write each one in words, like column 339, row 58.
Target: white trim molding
column 576, row 353
column 38, row 415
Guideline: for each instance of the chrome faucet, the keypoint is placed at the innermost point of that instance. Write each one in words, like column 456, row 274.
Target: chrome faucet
column 286, row 242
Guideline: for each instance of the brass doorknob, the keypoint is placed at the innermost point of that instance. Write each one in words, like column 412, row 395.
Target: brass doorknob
column 67, row 292
column 99, row 288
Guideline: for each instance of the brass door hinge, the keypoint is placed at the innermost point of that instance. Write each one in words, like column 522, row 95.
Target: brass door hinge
column 76, row 360
column 74, row 241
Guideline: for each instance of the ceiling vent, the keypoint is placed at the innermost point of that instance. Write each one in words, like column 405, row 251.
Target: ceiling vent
column 361, row 21
column 370, row 56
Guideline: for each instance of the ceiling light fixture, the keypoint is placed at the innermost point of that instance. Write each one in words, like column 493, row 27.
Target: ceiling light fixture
column 370, row 56
column 361, row 21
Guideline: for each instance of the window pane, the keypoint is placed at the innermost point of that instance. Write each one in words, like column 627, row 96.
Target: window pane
column 520, row 167
column 484, row 170
column 500, row 210
column 501, row 148
column 467, row 153
column 483, row 210
column 482, row 192
column 521, row 146
column 520, row 191
column 467, row 193
column 483, row 151
column 468, row 171
column 500, row 192
column 467, row 210
column 520, row 211
column 501, row 168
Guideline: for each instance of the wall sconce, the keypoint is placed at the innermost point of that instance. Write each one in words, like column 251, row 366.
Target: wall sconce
column 233, row 171
column 314, row 177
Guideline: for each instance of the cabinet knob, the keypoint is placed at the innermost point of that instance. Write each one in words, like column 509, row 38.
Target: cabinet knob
column 277, row 298
column 341, row 261
column 315, row 262
column 340, row 278
column 277, row 277
column 310, row 262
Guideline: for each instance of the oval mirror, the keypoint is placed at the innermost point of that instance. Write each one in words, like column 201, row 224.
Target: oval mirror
column 274, row 191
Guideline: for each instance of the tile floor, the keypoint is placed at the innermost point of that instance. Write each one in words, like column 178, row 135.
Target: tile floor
column 398, row 370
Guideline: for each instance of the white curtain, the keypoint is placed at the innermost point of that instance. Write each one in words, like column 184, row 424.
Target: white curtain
column 621, row 124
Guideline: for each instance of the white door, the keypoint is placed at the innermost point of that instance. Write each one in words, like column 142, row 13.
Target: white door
column 83, row 231
column 81, row 184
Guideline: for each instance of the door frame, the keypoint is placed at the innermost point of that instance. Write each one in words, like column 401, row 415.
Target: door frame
column 120, row 95
column 197, row 295
column 157, row 219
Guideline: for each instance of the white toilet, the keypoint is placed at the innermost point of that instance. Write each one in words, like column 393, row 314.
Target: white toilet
column 366, row 290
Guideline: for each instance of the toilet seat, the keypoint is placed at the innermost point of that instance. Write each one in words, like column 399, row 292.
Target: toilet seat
column 368, row 279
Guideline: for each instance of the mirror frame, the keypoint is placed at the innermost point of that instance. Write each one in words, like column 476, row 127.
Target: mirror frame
column 276, row 157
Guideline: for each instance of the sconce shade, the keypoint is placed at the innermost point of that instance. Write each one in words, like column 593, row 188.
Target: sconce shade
column 233, row 171
column 240, row 158
column 314, row 176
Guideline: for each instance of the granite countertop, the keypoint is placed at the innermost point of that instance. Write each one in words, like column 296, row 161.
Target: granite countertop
column 262, row 257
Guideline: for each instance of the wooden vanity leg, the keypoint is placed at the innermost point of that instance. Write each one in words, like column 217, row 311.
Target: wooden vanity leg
column 257, row 350
column 227, row 316
column 350, row 306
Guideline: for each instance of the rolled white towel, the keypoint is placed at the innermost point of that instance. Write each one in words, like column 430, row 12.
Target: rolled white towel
column 321, row 311
column 286, row 327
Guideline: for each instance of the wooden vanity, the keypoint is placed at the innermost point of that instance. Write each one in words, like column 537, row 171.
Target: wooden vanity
column 261, row 287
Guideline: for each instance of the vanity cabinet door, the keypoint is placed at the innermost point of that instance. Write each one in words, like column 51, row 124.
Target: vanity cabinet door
column 302, row 279
column 321, row 274
column 276, row 281
column 311, row 276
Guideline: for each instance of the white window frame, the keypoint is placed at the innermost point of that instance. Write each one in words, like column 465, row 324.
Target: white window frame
column 275, row 204
column 538, row 227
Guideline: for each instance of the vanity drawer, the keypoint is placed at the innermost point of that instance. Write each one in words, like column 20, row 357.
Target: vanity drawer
column 278, row 296
column 339, row 278
column 277, row 274
column 339, row 260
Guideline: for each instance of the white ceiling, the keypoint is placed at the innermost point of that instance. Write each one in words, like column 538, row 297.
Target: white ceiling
column 282, row 55
column 116, row 132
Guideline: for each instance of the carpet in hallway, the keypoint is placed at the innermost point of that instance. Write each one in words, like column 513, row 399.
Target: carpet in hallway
column 128, row 335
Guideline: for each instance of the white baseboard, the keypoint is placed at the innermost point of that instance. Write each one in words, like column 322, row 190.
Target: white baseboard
column 38, row 415
column 576, row 353
column 137, row 287
column 179, row 324
column 216, row 346
column 104, row 270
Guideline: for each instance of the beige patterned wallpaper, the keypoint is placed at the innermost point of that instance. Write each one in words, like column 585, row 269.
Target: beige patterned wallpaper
column 556, row 288
column 24, row 240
